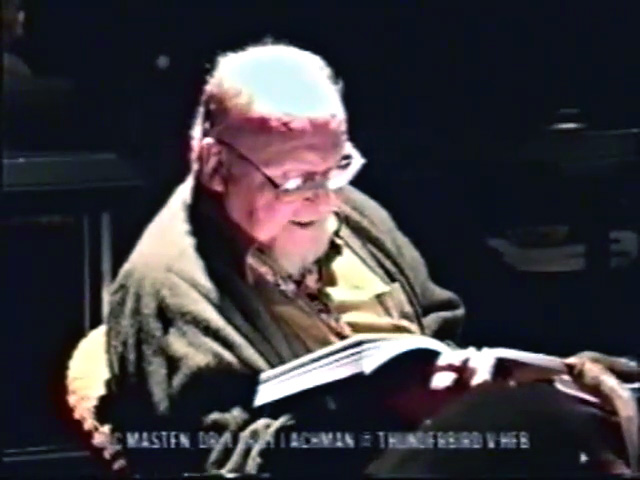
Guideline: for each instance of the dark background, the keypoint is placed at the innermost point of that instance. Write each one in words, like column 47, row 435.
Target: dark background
column 434, row 95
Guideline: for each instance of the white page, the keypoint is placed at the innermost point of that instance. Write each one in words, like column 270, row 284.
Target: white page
column 537, row 359
column 324, row 352
column 359, row 354
column 385, row 351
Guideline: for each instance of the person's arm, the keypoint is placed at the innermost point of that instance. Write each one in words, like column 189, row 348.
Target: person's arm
column 176, row 365
column 443, row 312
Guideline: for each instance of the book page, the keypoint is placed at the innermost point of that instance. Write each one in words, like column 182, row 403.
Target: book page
column 382, row 352
column 361, row 354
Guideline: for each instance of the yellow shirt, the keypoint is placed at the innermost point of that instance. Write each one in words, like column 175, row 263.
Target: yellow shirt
column 362, row 300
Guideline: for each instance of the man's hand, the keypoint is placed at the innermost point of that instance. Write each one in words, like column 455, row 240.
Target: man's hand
column 239, row 449
column 597, row 373
column 602, row 376
column 470, row 367
column 625, row 369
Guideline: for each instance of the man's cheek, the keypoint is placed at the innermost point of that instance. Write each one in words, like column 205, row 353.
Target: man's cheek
column 336, row 198
column 273, row 216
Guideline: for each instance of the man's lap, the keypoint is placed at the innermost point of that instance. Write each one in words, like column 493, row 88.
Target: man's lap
column 542, row 431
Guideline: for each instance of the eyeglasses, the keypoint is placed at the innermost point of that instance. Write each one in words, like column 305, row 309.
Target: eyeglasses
column 340, row 176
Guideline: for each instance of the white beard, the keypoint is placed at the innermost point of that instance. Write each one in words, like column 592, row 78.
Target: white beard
column 294, row 260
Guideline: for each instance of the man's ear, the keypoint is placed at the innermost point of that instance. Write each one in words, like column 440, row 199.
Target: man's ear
column 209, row 164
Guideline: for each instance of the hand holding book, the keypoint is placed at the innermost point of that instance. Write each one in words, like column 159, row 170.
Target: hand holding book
column 591, row 376
column 440, row 373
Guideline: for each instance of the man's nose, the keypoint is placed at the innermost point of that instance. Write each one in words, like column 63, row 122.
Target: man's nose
column 321, row 197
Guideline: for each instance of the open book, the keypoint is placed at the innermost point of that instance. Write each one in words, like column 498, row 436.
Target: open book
column 363, row 354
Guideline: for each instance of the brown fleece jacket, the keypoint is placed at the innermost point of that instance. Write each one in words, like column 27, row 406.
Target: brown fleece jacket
column 186, row 335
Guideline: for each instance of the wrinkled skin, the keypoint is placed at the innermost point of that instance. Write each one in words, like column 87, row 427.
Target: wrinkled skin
column 589, row 370
column 255, row 206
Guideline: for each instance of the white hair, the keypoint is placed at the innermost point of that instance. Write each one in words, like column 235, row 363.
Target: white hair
column 270, row 79
column 282, row 79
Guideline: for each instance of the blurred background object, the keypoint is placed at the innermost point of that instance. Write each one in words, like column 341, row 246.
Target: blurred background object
column 13, row 17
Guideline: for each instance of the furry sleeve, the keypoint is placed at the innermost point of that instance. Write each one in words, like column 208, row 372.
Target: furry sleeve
column 173, row 359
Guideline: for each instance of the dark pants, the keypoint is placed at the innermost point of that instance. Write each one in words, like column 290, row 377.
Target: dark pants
column 536, row 430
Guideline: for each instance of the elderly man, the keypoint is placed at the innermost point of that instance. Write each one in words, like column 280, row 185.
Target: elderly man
column 265, row 253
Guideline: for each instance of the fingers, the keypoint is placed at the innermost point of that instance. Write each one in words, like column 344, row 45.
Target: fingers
column 231, row 420
column 589, row 374
column 598, row 380
column 214, row 461
column 254, row 460
column 626, row 369
column 245, row 457
column 248, row 437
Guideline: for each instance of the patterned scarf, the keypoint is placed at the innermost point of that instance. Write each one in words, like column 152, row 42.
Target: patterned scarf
column 306, row 287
